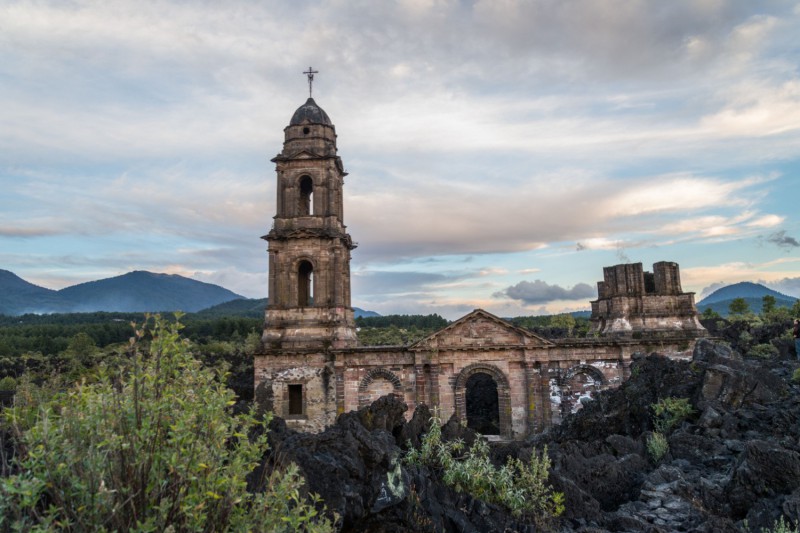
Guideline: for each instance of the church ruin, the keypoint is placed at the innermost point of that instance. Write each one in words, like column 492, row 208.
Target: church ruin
column 493, row 376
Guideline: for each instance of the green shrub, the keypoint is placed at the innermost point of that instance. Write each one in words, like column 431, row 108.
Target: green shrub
column 764, row 351
column 519, row 486
column 796, row 375
column 8, row 384
column 781, row 526
column 738, row 306
column 151, row 449
column 669, row 412
column 657, row 446
column 745, row 340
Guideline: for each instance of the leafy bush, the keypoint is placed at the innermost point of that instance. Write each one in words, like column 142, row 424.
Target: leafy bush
column 764, row 351
column 738, row 306
column 657, row 446
column 669, row 412
column 150, row 449
column 796, row 375
column 8, row 384
column 781, row 526
column 520, row 487
column 745, row 340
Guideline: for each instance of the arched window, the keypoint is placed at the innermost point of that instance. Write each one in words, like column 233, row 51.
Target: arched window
column 305, row 284
column 306, row 193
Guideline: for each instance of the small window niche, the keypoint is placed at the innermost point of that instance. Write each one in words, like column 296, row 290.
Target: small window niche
column 296, row 400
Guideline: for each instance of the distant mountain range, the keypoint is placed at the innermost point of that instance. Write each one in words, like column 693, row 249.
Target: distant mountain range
column 137, row 291
column 141, row 291
column 753, row 294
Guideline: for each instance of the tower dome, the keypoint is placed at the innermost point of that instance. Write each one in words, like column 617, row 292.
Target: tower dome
column 310, row 113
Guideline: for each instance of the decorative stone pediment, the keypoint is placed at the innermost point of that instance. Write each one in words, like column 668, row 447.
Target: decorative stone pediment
column 301, row 154
column 305, row 154
column 480, row 329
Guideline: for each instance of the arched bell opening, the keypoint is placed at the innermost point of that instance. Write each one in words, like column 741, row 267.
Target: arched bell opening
column 305, row 284
column 306, row 200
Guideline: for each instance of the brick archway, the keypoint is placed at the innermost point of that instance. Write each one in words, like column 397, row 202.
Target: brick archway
column 372, row 375
column 503, row 394
column 596, row 374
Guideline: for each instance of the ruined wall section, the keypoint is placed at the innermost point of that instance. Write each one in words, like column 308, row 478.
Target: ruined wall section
column 633, row 302
column 313, row 372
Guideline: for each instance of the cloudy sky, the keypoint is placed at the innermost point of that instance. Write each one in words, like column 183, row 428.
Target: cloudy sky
column 501, row 152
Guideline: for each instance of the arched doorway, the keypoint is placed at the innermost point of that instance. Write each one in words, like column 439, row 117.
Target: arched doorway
column 499, row 386
column 482, row 406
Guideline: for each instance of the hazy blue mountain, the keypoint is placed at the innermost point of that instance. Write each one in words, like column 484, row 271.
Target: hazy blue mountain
column 134, row 291
column 18, row 296
column 254, row 308
column 753, row 293
column 145, row 291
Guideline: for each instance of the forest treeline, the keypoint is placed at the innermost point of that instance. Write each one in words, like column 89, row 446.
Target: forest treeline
column 68, row 344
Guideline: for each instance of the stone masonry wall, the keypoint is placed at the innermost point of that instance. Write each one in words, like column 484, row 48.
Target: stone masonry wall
column 537, row 386
column 274, row 374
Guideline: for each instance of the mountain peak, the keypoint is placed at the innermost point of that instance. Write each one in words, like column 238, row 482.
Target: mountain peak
column 134, row 291
column 752, row 293
column 743, row 289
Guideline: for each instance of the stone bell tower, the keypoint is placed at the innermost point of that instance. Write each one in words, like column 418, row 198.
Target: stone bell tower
column 309, row 248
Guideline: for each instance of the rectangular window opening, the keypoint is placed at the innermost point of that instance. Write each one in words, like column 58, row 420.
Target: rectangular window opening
column 295, row 399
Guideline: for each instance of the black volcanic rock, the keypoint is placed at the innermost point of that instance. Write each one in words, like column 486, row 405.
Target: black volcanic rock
column 722, row 464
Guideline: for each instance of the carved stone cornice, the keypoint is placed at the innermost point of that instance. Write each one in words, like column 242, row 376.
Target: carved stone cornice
column 309, row 233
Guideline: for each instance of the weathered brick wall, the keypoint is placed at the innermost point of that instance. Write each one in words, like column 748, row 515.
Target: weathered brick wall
column 274, row 374
column 537, row 385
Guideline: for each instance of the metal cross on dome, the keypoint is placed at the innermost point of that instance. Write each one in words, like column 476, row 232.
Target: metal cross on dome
column 310, row 73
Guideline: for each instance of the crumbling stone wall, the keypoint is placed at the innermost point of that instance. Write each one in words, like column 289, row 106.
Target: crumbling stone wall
column 538, row 381
column 314, row 372
column 633, row 302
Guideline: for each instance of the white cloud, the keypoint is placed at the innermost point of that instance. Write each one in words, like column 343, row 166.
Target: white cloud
column 138, row 134
column 758, row 109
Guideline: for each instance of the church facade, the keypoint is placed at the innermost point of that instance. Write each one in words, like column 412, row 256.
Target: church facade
column 493, row 376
